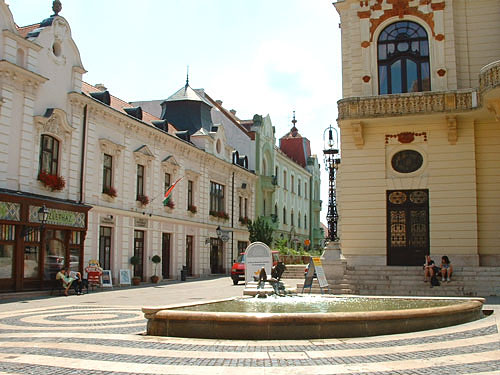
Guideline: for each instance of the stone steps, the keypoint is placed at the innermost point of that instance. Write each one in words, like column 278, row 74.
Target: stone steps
column 408, row 281
column 294, row 271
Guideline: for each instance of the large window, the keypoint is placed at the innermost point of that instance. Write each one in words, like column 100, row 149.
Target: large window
column 403, row 59
column 107, row 174
column 167, row 182
column 216, row 197
column 140, row 181
column 49, row 154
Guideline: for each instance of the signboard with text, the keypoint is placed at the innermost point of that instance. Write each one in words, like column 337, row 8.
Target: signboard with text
column 257, row 255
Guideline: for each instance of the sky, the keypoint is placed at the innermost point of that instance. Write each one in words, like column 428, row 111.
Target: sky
column 257, row 56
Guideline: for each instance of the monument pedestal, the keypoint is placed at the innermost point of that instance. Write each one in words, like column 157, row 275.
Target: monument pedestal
column 252, row 289
column 333, row 261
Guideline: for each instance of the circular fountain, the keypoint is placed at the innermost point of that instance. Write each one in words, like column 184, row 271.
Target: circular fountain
column 310, row 317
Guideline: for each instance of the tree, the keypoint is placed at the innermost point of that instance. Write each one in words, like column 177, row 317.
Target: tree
column 261, row 230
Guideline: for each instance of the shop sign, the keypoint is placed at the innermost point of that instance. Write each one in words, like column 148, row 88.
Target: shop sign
column 60, row 217
column 139, row 222
column 10, row 211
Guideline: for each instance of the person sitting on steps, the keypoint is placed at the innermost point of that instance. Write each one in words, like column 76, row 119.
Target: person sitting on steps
column 446, row 269
column 428, row 268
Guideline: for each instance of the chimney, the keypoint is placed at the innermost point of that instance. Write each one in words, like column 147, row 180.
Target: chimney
column 100, row 87
column 233, row 111
column 219, row 102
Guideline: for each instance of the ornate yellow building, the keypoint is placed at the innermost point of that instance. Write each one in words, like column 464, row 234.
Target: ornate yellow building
column 420, row 131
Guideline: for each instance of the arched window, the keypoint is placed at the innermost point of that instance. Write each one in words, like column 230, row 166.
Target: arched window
column 403, row 59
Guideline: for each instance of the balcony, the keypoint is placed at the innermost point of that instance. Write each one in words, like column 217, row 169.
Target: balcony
column 407, row 104
column 316, row 205
column 489, row 76
column 268, row 183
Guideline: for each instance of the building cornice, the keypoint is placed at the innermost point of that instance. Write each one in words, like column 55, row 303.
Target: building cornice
column 19, row 39
column 21, row 75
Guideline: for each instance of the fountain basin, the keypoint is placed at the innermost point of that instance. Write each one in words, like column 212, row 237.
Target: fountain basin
column 212, row 320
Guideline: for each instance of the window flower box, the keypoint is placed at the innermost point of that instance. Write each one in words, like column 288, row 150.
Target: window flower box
column 244, row 220
column 143, row 199
column 220, row 214
column 52, row 181
column 111, row 191
column 170, row 204
column 192, row 208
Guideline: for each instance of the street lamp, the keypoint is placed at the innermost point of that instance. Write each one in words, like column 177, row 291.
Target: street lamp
column 332, row 161
column 43, row 215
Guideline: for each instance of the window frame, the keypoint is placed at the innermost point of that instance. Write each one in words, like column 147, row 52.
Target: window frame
column 217, row 197
column 52, row 154
column 420, row 56
column 141, row 171
column 107, row 173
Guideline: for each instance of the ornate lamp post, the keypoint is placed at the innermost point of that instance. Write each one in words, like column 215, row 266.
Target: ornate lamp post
column 332, row 161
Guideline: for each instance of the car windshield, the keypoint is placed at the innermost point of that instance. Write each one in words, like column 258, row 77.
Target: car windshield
column 241, row 258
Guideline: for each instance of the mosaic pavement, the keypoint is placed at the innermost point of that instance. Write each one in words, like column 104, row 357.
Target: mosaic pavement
column 96, row 340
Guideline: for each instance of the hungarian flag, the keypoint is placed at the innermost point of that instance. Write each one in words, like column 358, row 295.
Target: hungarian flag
column 169, row 191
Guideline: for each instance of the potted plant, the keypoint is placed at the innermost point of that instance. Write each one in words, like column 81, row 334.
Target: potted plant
column 144, row 199
column 135, row 260
column 156, row 259
column 192, row 208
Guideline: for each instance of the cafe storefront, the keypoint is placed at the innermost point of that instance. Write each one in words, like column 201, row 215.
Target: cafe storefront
column 38, row 237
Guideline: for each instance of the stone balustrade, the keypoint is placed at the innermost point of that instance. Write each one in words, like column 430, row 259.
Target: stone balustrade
column 406, row 104
column 489, row 76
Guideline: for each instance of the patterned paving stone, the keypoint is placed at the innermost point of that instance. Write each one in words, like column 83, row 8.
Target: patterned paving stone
column 97, row 340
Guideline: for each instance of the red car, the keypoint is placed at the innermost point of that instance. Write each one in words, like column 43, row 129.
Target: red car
column 238, row 268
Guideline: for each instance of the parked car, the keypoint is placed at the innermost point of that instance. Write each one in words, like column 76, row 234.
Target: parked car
column 238, row 268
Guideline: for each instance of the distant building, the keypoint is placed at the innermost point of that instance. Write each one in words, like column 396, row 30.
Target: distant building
column 288, row 189
column 419, row 131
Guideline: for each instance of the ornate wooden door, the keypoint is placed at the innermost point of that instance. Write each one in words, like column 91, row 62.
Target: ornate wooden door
column 407, row 227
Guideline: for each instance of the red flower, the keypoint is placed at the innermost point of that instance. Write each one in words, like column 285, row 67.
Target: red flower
column 111, row 191
column 143, row 199
column 52, row 181
column 192, row 208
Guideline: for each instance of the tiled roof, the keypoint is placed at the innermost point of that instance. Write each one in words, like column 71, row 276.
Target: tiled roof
column 119, row 104
column 228, row 114
column 25, row 30
column 187, row 93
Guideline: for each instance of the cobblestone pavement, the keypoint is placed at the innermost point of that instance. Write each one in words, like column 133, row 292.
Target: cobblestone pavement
column 77, row 338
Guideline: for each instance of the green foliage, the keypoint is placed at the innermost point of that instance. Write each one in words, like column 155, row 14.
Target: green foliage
column 135, row 260
column 261, row 230
column 156, row 259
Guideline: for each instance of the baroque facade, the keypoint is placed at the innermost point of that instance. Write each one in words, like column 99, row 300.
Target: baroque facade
column 100, row 167
column 420, row 131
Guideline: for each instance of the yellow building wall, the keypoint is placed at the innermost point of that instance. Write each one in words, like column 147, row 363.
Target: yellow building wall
column 475, row 26
column 488, row 179
column 448, row 172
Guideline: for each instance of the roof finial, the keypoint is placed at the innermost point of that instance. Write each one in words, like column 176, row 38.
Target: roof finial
column 187, row 76
column 56, row 7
